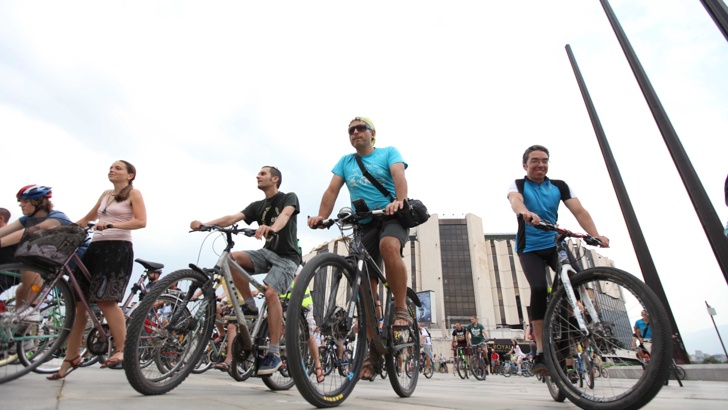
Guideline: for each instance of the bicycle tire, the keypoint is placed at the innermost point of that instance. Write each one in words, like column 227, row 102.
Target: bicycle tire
column 206, row 362
column 507, row 370
column 35, row 343
column 329, row 277
column 345, row 363
column 328, row 361
column 460, row 366
column 554, row 390
column 477, row 367
column 428, row 371
column 607, row 289
column 173, row 332
column 404, row 348
column 243, row 363
column 281, row 379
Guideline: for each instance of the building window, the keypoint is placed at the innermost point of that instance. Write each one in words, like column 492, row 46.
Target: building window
column 457, row 271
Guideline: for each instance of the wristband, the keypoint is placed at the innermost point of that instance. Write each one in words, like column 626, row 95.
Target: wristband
column 110, row 225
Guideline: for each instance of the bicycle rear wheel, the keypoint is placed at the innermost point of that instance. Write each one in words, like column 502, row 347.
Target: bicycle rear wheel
column 618, row 299
column 554, row 390
column 26, row 345
column 404, row 345
column 281, row 379
column 171, row 330
column 329, row 278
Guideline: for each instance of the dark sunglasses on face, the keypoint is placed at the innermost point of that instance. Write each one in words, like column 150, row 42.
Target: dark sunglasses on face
column 360, row 128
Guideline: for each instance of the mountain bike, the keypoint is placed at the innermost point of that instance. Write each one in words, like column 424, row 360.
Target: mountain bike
column 176, row 334
column 461, row 362
column 595, row 309
column 330, row 359
column 424, row 369
column 94, row 349
column 343, row 303
column 30, row 345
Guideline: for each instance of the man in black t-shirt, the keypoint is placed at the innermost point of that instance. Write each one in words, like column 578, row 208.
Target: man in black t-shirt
column 459, row 339
column 276, row 214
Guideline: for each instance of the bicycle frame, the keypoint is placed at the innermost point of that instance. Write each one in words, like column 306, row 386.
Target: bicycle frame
column 223, row 268
column 362, row 278
column 566, row 270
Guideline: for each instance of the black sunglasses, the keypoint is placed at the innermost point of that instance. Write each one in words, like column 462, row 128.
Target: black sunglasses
column 360, row 128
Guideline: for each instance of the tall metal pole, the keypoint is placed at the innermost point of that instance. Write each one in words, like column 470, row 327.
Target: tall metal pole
column 649, row 271
column 719, row 12
column 711, row 312
column 712, row 225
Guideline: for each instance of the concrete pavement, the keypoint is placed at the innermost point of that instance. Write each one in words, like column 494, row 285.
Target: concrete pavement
column 96, row 388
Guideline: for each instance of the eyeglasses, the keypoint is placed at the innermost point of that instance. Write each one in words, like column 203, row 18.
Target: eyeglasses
column 536, row 161
column 360, row 128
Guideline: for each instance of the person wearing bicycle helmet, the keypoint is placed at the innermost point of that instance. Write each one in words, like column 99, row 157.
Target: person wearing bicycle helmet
column 109, row 259
column 38, row 214
column 533, row 198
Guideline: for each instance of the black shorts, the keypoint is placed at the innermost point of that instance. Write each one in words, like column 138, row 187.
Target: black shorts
column 374, row 231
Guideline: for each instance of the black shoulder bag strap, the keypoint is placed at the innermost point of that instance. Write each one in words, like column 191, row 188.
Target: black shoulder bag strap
column 371, row 179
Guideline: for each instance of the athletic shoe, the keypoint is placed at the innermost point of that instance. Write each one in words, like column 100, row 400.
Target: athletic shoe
column 271, row 363
column 539, row 367
column 247, row 311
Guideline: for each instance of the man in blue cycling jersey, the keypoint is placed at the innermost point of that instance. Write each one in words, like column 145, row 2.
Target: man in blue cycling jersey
column 533, row 198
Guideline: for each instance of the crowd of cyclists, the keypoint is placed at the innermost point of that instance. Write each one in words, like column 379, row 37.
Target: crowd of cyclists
column 121, row 209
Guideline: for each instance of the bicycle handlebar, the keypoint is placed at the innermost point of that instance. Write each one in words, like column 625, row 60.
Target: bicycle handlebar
column 348, row 216
column 232, row 229
column 564, row 233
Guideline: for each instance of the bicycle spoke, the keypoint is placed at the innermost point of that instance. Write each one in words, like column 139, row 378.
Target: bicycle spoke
column 328, row 278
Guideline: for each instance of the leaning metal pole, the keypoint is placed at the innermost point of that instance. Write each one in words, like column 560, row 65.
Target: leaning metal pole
column 649, row 271
column 712, row 225
column 719, row 13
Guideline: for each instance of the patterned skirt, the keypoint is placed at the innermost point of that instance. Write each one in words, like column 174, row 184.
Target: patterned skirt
column 110, row 265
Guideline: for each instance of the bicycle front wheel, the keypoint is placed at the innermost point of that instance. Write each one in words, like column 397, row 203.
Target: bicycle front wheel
column 329, row 278
column 26, row 345
column 460, row 365
column 477, row 366
column 618, row 299
column 170, row 328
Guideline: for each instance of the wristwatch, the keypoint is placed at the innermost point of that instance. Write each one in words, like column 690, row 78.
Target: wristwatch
column 110, row 226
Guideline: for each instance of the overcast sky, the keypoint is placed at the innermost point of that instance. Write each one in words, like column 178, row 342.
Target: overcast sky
column 200, row 95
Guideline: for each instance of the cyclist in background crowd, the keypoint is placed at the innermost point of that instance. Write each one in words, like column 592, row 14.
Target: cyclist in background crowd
column 476, row 333
column 533, row 198
column 426, row 342
column 109, row 260
column 642, row 337
column 385, row 238
column 277, row 213
column 7, row 253
column 38, row 214
column 494, row 361
column 516, row 354
column 459, row 339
